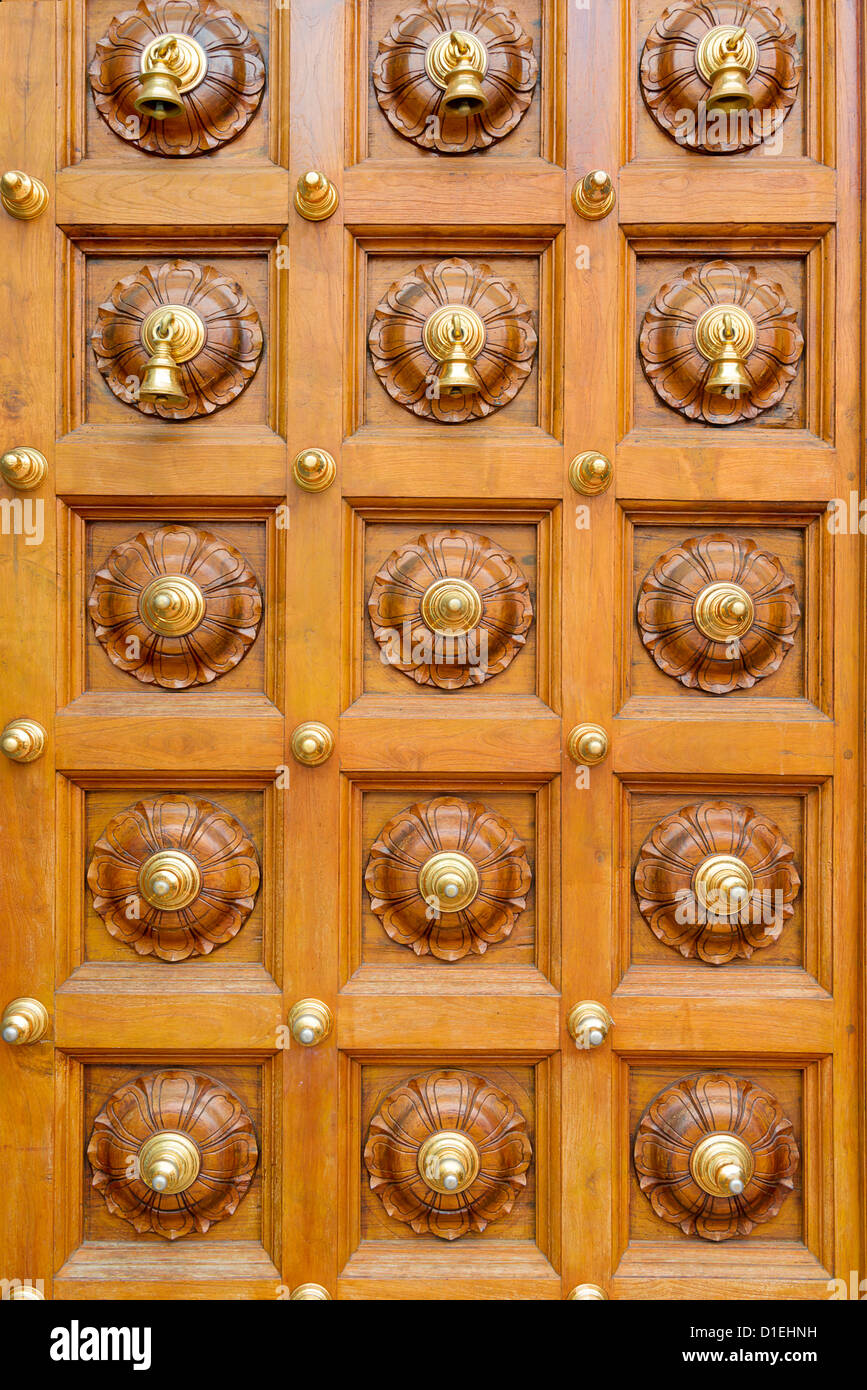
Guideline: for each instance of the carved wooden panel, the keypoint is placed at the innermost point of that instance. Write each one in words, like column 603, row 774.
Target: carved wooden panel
column 716, row 881
column 217, row 109
column 448, row 877
column 219, row 370
column 414, row 102
column 218, row 1145
column 493, row 1153
column 210, row 876
column 677, row 92
column 175, row 606
column 718, row 614
column 502, row 353
column 685, row 1180
column 450, row 609
column 766, row 341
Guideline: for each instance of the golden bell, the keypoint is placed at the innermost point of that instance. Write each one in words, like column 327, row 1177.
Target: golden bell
column 728, row 377
column 464, row 95
column 160, row 95
column 457, row 376
column 161, row 383
column 730, row 91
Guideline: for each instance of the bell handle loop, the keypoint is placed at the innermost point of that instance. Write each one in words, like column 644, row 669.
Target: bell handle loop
column 163, row 328
column 734, row 39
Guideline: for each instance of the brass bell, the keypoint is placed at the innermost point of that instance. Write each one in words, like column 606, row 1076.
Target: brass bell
column 728, row 377
column 464, row 95
column 457, row 376
column 160, row 95
column 730, row 91
column 161, row 383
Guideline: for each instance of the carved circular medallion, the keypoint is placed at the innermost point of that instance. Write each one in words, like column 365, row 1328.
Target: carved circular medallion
column 716, row 880
column 724, row 384
column 174, row 877
column 450, row 609
column 219, row 91
column 413, row 377
column 686, row 50
column 412, row 69
column 175, row 607
column 448, row 1152
column 216, row 374
column 448, row 877
column 677, row 609
column 715, row 1191
column 187, row 1131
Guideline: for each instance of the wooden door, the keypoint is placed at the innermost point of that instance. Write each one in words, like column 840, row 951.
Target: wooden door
column 335, row 508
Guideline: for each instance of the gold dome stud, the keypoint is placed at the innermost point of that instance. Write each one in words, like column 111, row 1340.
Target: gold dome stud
column 170, row 880
column 448, row 881
column 23, row 468
column 315, row 196
column 590, row 473
column 314, row 470
column 723, row 884
column 171, row 65
column 448, row 1162
column 312, row 743
column 310, row 1293
column 23, row 740
column 587, row 1293
column 456, row 62
column 310, row 1022
column 594, row 196
column 451, row 607
column 726, row 58
column 588, row 1024
column 454, row 335
column 24, row 1020
column 169, row 1161
column 23, row 196
column 722, row 1165
column 172, row 605
column 725, row 335
column 587, row 744
column 723, row 611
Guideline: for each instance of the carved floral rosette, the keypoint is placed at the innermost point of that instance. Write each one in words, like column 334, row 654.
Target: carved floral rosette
column 196, row 1105
column 676, row 92
column 402, row 362
column 672, row 853
column 452, row 1101
column 677, row 370
column 678, row 1119
column 667, row 624
column 444, row 824
column 232, row 607
column 217, row 374
column 214, row 112
column 222, row 851
column 411, row 100
column 432, row 657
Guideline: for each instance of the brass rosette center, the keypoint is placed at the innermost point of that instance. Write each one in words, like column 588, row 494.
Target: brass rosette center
column 456, row 62
column 448, row 1162
column 726, row 335
column 723, row 611
column 169, row 880
column 726, row 58
column 722, row 1165
column 172, row 605
column 454, row 335
column 169, row 1161
column 723, row 883
column 175, row 325
column 181, row 55
column 451, row 607
column 449, row 880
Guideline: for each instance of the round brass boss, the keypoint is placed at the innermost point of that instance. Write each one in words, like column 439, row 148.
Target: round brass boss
column 169, row 880
column 450, row 879
column 438, row 333
column 185, row 59
column 451, row 607
column 186, row 336
column 713, row 328
column 448, row 49
column 723, row 611
column 169, row 1161
column 722, row 883
column 172, row 605
column 723, row 44
column 448, row 1161
column 722, row 1165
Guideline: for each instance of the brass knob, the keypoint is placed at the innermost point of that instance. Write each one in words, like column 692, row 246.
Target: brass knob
column 723, row 610
column 172, row 605
column 310, row 1293
column 24, row 1021
column 312, row 744
column 23, row 196
column 448, row 881
column 169, row 1161
column 726, row 335
column 171, row 64
column 170, row 880
column 588, row 1024
column 315, row 196
column 448, row 1161
column 456, row 62
column 587, row 743
column 726, row 58
column 594, row 196
column 314, row 470
column 722, row 1165
column 23, row 468
column 310, row 1022
column 587, row 1292
column 172, row 334
column 454, row 335
column 590, row 473
column 451, row 607
column 23, row 740
column 723, row 884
